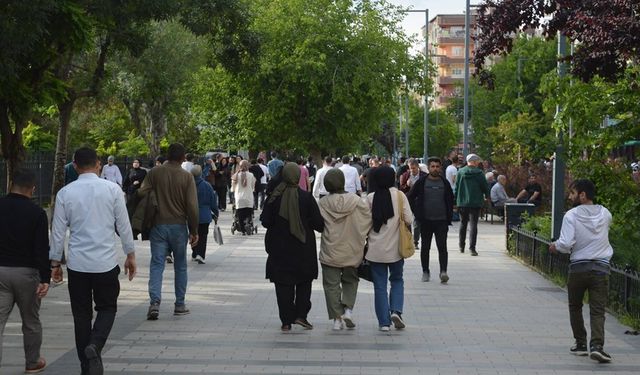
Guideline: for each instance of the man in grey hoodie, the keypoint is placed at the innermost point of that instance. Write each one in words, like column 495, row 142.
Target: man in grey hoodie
column 585, row 235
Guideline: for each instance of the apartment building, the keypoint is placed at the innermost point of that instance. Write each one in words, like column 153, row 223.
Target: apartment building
column 446, row 42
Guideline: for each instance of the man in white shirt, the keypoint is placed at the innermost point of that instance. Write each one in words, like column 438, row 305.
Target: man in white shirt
column 92, row 209
column 188, row 164
column 351, row 177
column 319, row 190
column 263, row 182
column 452, row 171
column 585, row 235
column 111, row 172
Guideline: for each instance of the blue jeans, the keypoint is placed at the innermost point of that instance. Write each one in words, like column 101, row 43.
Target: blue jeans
column 384, row 303
column 163, row 238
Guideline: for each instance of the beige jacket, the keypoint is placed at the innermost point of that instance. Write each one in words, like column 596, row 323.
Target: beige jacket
column 384, row 245
column 347, row 220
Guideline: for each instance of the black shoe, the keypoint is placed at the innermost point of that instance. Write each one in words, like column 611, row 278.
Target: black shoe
column 579, row 350
column 304, row 323
column 95, row 361
column 597, row 354
column 474, row 253
column 285, row 328
column 154, row 311
column 462, row 250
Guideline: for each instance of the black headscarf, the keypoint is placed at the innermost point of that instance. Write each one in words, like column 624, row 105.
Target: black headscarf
column 382, row 208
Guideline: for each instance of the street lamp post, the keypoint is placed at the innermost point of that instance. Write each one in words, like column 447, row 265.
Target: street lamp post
column 467, row 25
column 425, row 140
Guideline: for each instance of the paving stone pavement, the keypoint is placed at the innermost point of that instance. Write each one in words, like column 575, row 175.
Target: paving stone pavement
column 495, row 316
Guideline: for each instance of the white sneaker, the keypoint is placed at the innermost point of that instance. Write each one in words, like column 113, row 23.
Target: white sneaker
column 199, row 259
column 384, row 328
column 348, row 319
column 396, row 318
column 337, row 325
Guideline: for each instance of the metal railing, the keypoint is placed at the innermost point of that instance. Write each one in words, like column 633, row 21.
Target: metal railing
column 624, row 283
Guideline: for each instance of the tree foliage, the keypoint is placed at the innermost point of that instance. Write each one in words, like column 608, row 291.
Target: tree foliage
column 327, row 75
column 607, row 31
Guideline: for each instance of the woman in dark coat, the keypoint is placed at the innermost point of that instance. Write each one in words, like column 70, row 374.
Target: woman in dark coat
column 291, row 215
column 133, row 180
column 221, row 182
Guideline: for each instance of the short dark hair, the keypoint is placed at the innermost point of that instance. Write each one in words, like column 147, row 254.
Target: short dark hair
column 260, row 160
column 175, row 152
column 274, row 154
column 328, row 159
column 586, row 186
column 160, row 159
column 454, row 159
column 434, row 159
column 254, row 161
column 310, row 159
column 23, row 178
column 346, row 159
column 85, row 157
column 299, row 161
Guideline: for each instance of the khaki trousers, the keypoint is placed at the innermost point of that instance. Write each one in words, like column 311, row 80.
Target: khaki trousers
column 340, row 289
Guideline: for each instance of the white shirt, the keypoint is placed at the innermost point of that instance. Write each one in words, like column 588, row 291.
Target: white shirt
column 112, row 173
column 318, row 184
column 450, row 173
column 187, row 165
column 265, row 176
column 92, row 208
column 351, row 179
column 585, row 233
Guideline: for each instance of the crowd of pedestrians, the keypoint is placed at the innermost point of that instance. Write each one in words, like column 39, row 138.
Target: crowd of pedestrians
column 359, row 209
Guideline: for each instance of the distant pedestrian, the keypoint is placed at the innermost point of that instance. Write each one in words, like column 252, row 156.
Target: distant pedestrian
column 92, row 209
column 407, row 180
column 134, row 179
column 384, row 244
column 262, row 184
column 243, row 185
column 70, row 173
column 304, row 183
column 175, row 225
column 258, row 173
column 111, row 172
column 351, row 177
column 207, row 209
column 585, row 235
column 24, row 264
column 274, row 164
column 471, row 192
column 431, row 200
column 319, row 189
column 189, row 162
column 291, row 216
column 347, row 220
column 221, row 182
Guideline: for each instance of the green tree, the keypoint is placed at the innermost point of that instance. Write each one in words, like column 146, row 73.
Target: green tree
column 443, row 131
column 326, row 77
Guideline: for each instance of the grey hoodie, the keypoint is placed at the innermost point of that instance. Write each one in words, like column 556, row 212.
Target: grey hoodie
column 585, row 234
column 347, row 220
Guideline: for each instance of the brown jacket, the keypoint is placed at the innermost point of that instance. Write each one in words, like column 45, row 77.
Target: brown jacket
column 176, row 194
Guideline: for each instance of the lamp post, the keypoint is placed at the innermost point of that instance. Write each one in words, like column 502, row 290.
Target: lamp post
column 425, row 139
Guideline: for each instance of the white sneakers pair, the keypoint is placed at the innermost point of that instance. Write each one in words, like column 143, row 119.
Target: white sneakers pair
column 345, row 321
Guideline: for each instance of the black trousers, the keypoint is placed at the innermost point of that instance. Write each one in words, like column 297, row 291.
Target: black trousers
column 201, row 246
column 222, row 197
column 469, row 215
column 427, row 229
column 294, row 301
column 85, row 289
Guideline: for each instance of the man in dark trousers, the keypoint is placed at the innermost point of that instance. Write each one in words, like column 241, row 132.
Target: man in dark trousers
column 585, row 235
column 92, row 209
column 431, row 200
column 24, row 264
column 472, row 191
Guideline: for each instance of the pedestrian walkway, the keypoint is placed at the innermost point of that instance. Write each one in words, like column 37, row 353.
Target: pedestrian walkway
column 495, row 316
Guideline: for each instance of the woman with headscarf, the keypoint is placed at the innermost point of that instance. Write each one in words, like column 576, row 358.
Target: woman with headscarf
column 134, row 179
column 207, row 207
column 243, row 184
column 222, row 177
column 347, row 220
column 291, row 215
column 384, row 243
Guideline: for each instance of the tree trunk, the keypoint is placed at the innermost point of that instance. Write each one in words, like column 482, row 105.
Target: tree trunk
column 158, row 127
column 11, row 141
column 65, row 109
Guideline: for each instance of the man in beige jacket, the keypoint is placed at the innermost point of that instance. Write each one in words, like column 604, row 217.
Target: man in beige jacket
column 347, row 220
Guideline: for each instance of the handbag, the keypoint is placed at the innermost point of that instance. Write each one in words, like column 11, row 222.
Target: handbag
column 217, row 234
column 364, row 269
column 406, row 246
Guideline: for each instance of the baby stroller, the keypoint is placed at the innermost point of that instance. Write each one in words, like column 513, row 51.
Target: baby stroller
column 243, row 221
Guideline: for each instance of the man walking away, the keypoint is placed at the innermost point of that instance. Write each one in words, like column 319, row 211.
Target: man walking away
column 351, row 177
column 319, row 190
column 263, row 182
column 274, row 165
column 585, row 235
column 257, row 172
column 431, row 199
column 471, row 191
column 24, row 264
column 92, row 209
column 176, row 224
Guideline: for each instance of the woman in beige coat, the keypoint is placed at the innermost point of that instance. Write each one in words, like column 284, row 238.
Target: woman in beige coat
column 347, row 220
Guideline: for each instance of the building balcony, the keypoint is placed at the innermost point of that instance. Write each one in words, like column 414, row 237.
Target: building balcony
column 447, row 40
column 448, row 60
column 448, row 80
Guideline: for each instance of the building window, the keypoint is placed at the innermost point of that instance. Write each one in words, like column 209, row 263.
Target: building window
column 456, row 51
column 456, row 72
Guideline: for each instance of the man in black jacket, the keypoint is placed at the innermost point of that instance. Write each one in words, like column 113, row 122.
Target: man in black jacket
column 24, row 264
column 431, row 199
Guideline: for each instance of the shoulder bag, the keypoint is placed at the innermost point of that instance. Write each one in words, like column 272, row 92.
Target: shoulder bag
column 406, row 246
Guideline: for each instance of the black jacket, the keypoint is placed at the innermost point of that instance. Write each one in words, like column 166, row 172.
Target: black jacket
column 416, row 198
column 290, row 261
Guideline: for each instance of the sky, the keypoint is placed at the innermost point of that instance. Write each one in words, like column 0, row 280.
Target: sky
column 414, row 21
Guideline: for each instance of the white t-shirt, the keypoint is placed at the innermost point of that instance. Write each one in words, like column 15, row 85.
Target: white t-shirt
column 351, row 179
column 265, row 171
column 450, row 173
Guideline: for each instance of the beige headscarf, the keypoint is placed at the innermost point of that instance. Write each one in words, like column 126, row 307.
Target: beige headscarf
column 289, row 205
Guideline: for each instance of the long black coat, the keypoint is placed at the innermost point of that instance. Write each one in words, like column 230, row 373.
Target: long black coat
column 291, row 261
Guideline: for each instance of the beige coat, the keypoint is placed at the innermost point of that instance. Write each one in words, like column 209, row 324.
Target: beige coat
column 384, row 245
column 347, row 220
